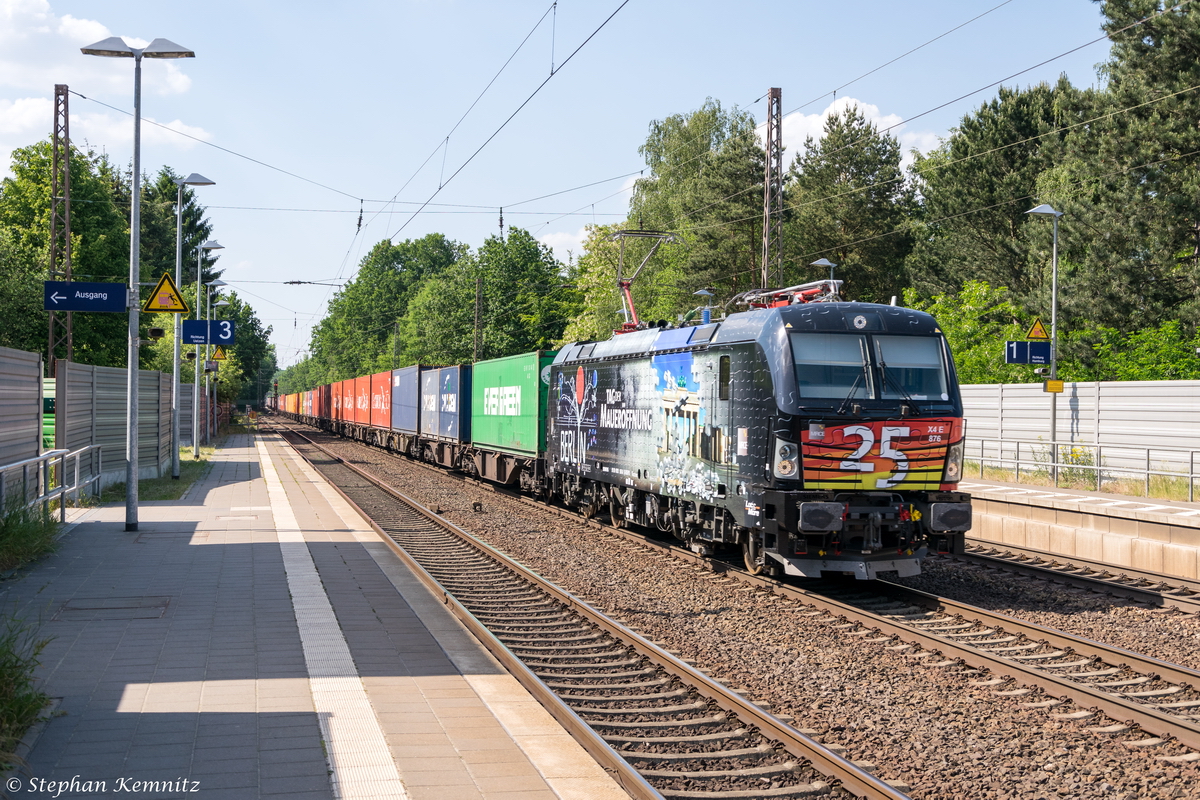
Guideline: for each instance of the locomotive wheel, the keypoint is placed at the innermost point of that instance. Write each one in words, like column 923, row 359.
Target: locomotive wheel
column 616, row 513
column 751, row 553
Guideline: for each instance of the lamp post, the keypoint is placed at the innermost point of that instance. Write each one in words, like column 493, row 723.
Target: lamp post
column 209, row 422
column 213, row 245
column 195, row 179
column 115, row 47
column 1046, row 210
column 824, row 262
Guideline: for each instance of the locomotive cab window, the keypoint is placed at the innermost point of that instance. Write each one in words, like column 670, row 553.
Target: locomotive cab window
column 830, row 365
column 723, row 378
column 912, row 366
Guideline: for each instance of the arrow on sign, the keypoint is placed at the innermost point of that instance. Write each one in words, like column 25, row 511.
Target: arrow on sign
column 56, row 297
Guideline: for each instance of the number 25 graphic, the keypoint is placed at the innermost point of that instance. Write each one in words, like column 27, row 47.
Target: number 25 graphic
column 854, row 462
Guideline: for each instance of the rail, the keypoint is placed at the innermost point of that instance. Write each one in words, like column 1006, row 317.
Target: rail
column 1076, row 459
column 47, row 470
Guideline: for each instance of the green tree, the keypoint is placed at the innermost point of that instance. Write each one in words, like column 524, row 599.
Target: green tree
column 847, row 197
column 524, row 304
column 100, row 246
column 976, row 188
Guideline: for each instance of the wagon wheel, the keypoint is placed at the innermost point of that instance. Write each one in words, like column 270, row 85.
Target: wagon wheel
column 752, row 554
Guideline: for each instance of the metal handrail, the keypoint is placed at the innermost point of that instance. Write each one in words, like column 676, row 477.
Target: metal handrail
column 46, row 491
column 1050, row 460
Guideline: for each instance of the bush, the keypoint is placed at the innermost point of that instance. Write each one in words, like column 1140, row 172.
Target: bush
column 26, row 534
column 20, row 700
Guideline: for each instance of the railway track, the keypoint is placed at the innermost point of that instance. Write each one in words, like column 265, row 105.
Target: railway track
column 661, row 727
column 1151, row 588
column 1135, row 691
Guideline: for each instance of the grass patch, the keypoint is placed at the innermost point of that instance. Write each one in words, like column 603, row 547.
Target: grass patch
column 26, row 534
column 20, row 700
column 166, row 488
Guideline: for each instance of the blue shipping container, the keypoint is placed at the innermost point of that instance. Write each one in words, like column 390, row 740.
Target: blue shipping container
column 445, row 403
column 406, row 398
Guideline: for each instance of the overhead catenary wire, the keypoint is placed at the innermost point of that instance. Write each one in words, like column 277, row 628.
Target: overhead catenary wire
column 510, row 118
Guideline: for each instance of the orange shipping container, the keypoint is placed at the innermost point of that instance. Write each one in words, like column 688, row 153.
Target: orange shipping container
column 347, row 400
column 381, row 400
column 362, row 400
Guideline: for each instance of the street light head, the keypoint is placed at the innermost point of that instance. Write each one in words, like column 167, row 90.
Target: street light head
column 1045, row 210
column 220, row 303
column 824, row 262
column 112, row 47
column 165, row 48
column 703, row 293
column 195, row 179
column 217, row 282
column 212, row 245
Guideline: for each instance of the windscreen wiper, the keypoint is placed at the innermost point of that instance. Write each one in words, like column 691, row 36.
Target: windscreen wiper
column 887, row 378
column 853, row 391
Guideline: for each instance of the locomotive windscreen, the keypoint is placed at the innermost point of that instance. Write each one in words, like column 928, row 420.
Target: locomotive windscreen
column 914, row 367
column 870, row 366
column 831, row 364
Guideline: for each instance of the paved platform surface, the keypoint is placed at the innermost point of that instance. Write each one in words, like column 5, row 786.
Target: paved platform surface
column 255, row 639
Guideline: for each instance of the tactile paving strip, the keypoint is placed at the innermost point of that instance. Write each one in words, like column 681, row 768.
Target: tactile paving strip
column 359, row 758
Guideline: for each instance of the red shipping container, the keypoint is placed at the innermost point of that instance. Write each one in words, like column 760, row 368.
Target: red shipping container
column 347, row 400
column 324, row 394
column 362, row 400
column 335, row 401
column 381, row 400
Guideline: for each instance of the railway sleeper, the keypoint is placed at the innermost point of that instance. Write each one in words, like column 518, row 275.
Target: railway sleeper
column 749, row 752
column 626, row 698
column 580, row 649
column 740, row 733
column 628, row 662
column 815, row 789
column 747, row 772
column 656, row 710
column 597, row 676
column 608, row 686
column 693, row 722
column 514, row 639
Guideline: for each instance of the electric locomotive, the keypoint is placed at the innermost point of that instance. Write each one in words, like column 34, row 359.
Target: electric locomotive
column 819, row 437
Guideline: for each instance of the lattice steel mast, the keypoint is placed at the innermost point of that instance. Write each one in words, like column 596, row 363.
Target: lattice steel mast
column 60, row 225
column 772, row 250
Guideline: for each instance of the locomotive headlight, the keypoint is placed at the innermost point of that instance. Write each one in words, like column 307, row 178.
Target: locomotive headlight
column 954, row 462
column 785, row 460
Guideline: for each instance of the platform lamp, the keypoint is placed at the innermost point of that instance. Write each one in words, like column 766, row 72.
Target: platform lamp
column 195, row 179
column 115, row 47
column 1046, row 210
column 211, row 245
column 210, row 415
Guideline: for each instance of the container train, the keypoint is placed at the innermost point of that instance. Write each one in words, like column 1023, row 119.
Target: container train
column 816, row 437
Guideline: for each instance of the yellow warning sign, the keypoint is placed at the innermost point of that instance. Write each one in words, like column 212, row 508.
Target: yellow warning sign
column 219, row 354
column 1055, row 387
column 1038, row 331
column 166, row 299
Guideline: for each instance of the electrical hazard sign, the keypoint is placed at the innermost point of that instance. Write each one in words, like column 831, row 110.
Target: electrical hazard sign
column 166, row 298
column 1038, row 331
column 219, row 354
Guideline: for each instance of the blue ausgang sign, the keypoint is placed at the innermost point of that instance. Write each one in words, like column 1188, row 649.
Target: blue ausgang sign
column 75, row 296
column 197, row 331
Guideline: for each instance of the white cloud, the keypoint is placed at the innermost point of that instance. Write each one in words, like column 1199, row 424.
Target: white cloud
column 117, row 131
column 565, row 244
column 798, row 127
column 39, row 49
column 84, row 31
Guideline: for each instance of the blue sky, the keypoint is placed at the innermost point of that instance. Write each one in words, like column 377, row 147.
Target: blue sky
column 361, row 97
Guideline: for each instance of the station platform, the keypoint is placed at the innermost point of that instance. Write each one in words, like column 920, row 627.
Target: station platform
column 1123, row 531
column 256, row 639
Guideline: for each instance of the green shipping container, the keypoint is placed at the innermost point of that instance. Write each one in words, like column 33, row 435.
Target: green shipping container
column 508, row 403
